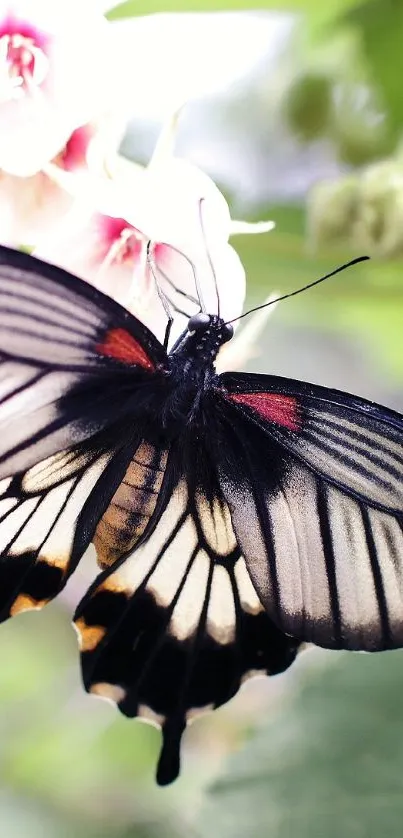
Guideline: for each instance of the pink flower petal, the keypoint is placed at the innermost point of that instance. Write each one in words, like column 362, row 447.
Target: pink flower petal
column 74, row 154
column 101, row 249
column 185, row 217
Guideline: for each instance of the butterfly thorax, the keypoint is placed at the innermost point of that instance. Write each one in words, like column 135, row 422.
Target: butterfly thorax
column 191, row 372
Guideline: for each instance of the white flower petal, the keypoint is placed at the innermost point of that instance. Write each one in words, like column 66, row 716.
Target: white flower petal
column 244, row 346
column 94, row 250
column 171, row 204
column 166, row 207
column 231, row 283
column 164, row 150
column 250, row 227
column 223, row 278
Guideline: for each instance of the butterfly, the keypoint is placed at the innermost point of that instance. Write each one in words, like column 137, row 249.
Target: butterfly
column 234, row 516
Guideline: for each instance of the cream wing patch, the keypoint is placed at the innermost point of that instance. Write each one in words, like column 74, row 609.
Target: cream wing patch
column 178, row 567
column 29, row 415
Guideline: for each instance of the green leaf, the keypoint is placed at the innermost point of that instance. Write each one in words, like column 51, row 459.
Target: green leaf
column 329, row 763
column 380, row 24
column 322, row 11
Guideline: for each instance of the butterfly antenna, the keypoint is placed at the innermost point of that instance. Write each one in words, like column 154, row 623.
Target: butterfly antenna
column 304, row 288
column 163, row 299
column 166, row 302
column 210, row 261
column 175, row 288
column 199, row 300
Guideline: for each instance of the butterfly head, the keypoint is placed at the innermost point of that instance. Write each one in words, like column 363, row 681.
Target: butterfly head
column 209, row 324
column 208, row 332
column 204, row 336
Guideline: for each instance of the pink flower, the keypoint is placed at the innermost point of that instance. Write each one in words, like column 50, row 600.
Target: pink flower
column 53, row 77
column 100, row 248
column 73, row 155
column 181, row 211
column 170, row 207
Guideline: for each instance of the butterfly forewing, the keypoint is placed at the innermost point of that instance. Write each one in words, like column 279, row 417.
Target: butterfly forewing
column 318, row 516
column 50, row 318
column 177, row 627
column 69, row 359
column 353, row 443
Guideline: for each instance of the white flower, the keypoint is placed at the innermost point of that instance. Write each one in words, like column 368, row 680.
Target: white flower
column 53, row 77
column 174, row 206
column 181, row 211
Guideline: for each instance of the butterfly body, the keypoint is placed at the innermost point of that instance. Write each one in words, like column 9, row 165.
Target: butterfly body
column 131, row 507
column 171, row 402
column 234, row 516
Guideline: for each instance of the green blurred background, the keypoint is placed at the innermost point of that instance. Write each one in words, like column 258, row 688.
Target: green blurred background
column 318, row 751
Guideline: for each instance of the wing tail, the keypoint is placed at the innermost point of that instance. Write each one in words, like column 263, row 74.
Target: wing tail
column 176, row 628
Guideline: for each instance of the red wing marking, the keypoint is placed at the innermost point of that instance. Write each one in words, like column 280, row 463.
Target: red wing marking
column 284, row 410
column 121, row 345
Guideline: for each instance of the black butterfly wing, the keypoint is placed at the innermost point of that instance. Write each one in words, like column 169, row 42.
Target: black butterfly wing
column 68, row 355
column 71, row 362
column 176, row 627
column 314, row 481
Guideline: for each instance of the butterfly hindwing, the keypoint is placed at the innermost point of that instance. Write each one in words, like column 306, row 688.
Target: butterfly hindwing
column 48, row 515
column 314, row 482
column 132, row 506
column 177, row 626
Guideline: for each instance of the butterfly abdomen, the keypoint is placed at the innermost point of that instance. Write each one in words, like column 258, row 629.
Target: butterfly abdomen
column 132, row 505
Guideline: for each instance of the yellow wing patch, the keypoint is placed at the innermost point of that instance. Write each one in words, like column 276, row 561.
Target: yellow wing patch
column 131, row 507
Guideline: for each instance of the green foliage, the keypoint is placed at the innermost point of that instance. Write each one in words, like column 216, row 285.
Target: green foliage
column 317, row 12
column 308, row 105
column 329, row 762
column 72, row 766
column 364, row 303
column 358, row 130
column 361, row 211
column 379, row 26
